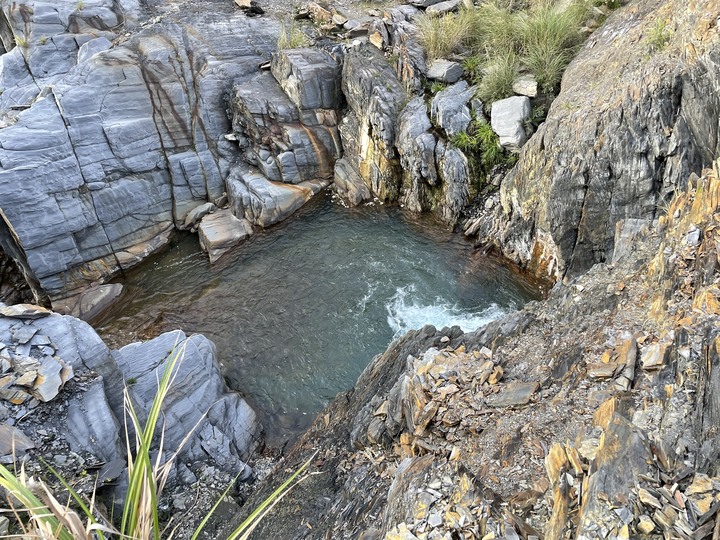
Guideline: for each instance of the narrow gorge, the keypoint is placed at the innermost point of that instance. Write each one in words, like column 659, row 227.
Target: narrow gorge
column 513, row 292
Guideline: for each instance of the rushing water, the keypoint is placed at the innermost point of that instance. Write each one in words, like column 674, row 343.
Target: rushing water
column 299, row 310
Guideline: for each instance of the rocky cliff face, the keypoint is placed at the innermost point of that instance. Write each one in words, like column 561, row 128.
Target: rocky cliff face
column 45, row 355
column 108, row 146
column 629, row 124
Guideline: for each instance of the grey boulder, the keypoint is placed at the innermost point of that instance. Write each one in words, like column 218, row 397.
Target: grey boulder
column 450, row 108
column 442, row 8
column 507, row 118
column 220, row 231
column 445, row 71
column 224, row 427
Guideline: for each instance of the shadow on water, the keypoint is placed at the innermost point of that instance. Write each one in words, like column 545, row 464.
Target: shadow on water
column 299, row 310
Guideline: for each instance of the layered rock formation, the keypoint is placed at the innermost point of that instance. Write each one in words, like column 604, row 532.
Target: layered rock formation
column 42, row 352
column 116, row 132
column 629, row 125
column 100, row 166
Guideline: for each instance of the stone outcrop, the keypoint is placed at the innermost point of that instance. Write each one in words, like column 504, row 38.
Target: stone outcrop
column 47, row 357
column 391, row 149
column 628, row 126
column 375, row 98
column 126, row 142
column 226, row 428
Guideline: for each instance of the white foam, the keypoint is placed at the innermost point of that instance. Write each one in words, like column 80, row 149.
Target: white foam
column 405, row 313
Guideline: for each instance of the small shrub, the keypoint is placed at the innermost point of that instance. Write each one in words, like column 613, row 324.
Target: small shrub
column 492, row 152
column 550, row 35
column 437, row 86
column 465, row 142
column 43, row 40
column 21, row 41
column 481, row 143
column 499, row 76
column 80, row 5
column 473, row 67
column 658, row 36
column 292, row 37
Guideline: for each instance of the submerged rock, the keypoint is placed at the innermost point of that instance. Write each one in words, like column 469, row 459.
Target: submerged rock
column 221, row 231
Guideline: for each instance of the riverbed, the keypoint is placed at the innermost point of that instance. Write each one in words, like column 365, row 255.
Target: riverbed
column 300, row 309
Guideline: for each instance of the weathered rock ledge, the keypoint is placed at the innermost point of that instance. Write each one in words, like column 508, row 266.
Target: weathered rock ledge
column 627, row 128
column 62, row 398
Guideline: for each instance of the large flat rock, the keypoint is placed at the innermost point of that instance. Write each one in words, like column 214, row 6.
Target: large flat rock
column 310, row 78
column 263, row 202
column 220, row 231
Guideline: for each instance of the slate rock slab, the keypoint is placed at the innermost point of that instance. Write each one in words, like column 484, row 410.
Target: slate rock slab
column 220, row 231
column 445, row 71
column 513, row 394
column 507, row 117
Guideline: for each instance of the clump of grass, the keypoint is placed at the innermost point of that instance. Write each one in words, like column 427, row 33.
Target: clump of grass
column 492, row 152
column 658, row 36
column 481, row 143
column 473, row 66
column 441, row 36
column 495, row 30
column 21, row 41
column 51, row 520
column 550, row 35
column 498, row 77
column 80, row 5
column 292, row 37
column 437, row 86
column 505, row 37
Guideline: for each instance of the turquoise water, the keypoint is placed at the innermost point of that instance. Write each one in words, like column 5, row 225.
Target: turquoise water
column 299, row 310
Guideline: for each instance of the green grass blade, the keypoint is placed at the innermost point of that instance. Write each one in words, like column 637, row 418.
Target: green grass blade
column 258, row 512
column 74, row 495
column 37, row 510
column 142, row 492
